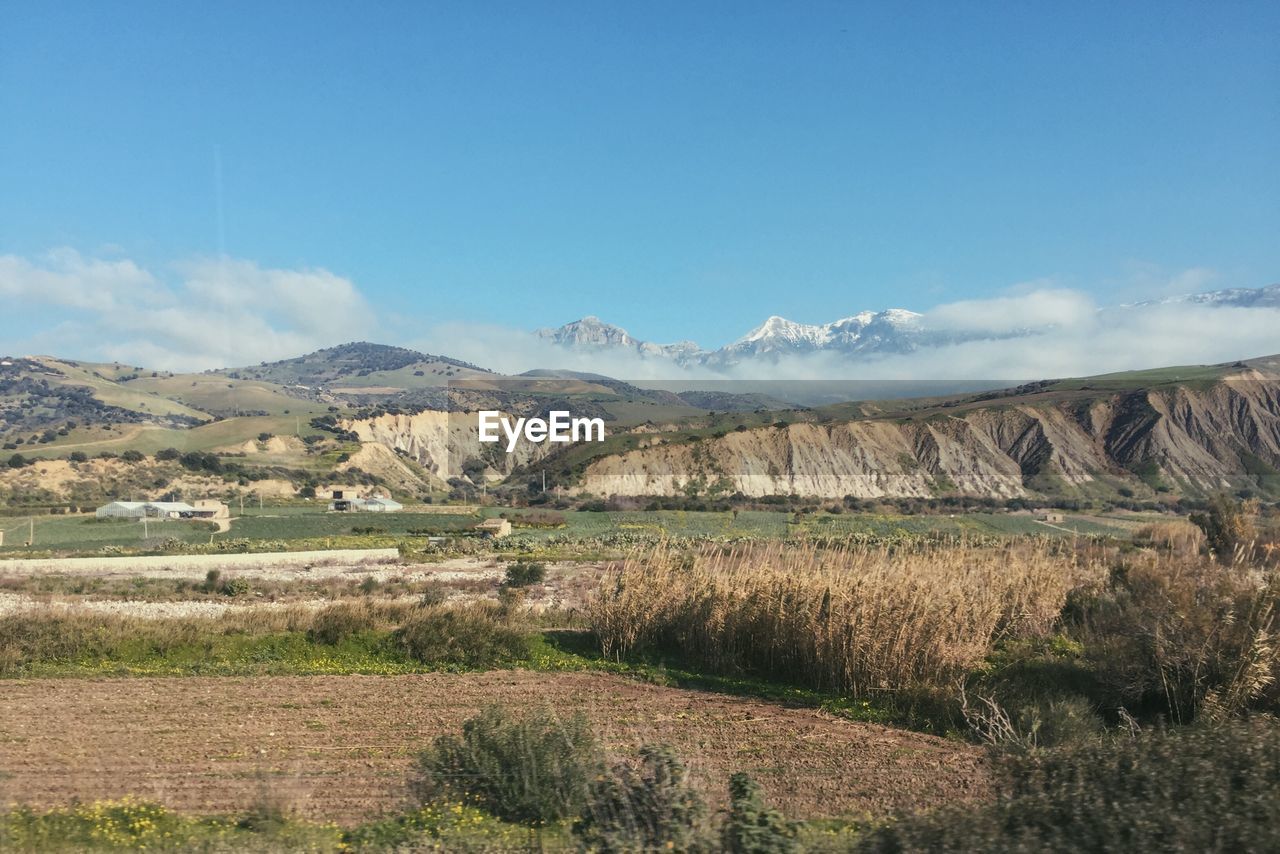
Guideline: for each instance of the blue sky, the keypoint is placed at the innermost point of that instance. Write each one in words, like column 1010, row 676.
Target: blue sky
column 682, row 169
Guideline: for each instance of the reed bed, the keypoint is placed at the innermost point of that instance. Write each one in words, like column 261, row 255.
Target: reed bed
column 854, row 619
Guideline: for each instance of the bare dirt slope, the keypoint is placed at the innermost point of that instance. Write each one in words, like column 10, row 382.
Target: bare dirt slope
column 1183, row 434
column 339, row 747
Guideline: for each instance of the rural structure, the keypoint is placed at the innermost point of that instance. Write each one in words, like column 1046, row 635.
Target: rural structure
column 494, row 528
column 202, row 509
column 344, row 503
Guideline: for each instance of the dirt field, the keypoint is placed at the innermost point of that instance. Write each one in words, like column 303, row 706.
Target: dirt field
column 338, row 748
column 264, row 565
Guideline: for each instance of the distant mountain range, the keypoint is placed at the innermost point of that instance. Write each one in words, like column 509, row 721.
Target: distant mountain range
column 868, row 333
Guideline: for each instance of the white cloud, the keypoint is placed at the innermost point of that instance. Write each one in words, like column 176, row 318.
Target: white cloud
column 206, row 313
column 1034, row 334
column 1038, row 309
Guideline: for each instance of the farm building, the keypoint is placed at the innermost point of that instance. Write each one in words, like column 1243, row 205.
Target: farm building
column 146, row 510
column 374, row 504
column 338, row 492
column 210, row 508
column 494, row 528
column 1049, row 516
column 122, row 510
column 381, row 504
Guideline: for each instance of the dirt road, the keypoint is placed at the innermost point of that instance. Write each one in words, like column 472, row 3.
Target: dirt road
column 339, row 747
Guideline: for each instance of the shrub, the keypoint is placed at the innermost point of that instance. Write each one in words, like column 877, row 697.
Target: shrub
column 1190, row 789
column 752, row 827
column 132, row 456
column 524, row 574
column 1169, row 637
column 79, row 457
column 533, row 769
column 234, row 587
column 333, row 623
column 1228, row 527
column 649, row 809
column 473, row 637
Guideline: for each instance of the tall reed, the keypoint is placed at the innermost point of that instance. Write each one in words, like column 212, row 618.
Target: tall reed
column 853, row 619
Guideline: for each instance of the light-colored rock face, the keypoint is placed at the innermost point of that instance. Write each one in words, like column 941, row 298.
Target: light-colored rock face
column 1187, row 436
column 866, row 459
column 442, row 442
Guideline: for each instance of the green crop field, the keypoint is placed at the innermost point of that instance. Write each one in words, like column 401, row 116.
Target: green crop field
column 87, row 532
column 313, row 522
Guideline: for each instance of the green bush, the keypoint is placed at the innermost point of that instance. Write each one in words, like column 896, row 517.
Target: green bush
column 474, row 637
column 649, row 809
column 752, row 827
column 524, row 574
column 1198, row 788
column 534, row 770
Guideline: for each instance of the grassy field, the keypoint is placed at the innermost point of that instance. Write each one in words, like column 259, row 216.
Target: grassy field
column 86, row 532
column 149, row 438
column 312, row 522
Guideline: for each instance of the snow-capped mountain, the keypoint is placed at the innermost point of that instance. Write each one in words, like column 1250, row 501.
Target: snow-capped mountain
column 1268, row 297
column 592, row 333
column 892, row 331
column 895, row 330
column 862, row 335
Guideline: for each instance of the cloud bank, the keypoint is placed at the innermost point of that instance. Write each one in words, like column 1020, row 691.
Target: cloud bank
column 202, row 313
column 1046, row 333
column 220, row 312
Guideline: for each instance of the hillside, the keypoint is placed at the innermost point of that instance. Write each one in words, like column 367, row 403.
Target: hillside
column 1176, row 431
column 399, row 417
column 358, row 365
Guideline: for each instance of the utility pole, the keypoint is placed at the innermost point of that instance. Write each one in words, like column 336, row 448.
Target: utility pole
column 31, row 536
column 544, row 480
column 145, row 535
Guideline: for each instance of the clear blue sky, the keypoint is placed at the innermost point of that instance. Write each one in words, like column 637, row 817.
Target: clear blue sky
column 683, row 169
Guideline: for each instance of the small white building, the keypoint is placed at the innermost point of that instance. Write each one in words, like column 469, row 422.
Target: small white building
column 373, row 504
column 146, row 510
column 122, row 510
column 381, row 504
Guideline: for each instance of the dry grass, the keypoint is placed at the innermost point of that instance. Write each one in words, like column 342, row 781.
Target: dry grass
column 854, row 619
column 1179, row 537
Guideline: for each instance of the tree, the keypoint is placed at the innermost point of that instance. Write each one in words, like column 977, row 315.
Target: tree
column 17, row 461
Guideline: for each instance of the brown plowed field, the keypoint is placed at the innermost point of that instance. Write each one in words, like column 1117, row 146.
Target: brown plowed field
column 338, row 747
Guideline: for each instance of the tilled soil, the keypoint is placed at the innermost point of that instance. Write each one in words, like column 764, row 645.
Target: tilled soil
column 340, row 747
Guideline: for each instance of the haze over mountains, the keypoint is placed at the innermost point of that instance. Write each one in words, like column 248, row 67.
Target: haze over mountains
column 871, row 334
